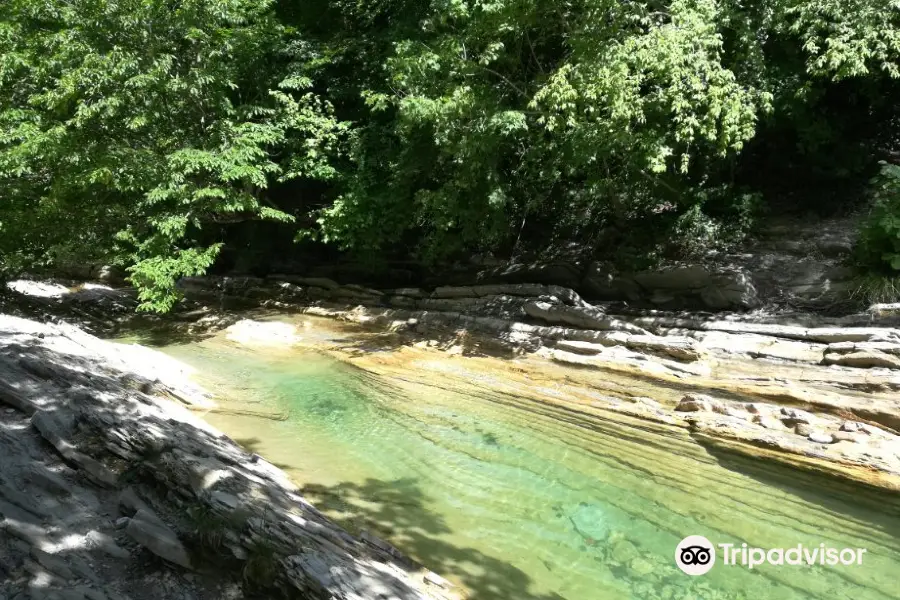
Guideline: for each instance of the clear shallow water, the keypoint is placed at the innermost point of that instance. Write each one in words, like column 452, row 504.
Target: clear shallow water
column 518, row 500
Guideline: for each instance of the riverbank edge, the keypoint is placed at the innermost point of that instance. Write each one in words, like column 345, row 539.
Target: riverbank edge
column 122, row 416
column 850, row 364
column 827, row 427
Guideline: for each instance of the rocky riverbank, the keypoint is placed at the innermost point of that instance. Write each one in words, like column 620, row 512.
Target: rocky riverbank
column 820, row 393
column 813, row 392
column 112, row 488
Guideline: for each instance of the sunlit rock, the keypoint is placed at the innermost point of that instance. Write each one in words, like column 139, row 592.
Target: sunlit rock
column 260, row 333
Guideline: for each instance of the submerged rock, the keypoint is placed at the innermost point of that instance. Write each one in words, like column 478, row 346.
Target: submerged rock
column 590, row 521
column 263, row 333
column 624, row 552
column 641, row 567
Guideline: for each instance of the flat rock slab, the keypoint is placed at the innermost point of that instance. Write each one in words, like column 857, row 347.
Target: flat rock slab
column 52, row 430
column 159, row 539
column 863, row 359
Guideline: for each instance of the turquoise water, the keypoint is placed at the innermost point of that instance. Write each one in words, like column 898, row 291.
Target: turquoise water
column 518, row 500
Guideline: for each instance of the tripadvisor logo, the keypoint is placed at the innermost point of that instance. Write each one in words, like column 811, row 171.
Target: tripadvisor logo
column 696, row 555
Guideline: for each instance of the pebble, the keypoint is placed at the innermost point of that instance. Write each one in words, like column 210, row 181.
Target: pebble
column 640, row 567
column 768, row 422
column 796, row 415
column 821, row 438
column 122, row 522
column 803, row 429
column 694, row 403
column 624, row 551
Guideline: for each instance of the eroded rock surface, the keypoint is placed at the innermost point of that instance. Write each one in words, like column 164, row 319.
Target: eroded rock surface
column 111, row 488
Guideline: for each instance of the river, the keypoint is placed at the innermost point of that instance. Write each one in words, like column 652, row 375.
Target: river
column 516, row 499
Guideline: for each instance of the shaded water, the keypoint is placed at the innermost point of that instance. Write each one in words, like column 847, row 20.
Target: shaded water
column 518, row 500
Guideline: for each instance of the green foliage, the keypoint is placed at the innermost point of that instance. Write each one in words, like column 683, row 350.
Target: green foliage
column 127, row 127
column 879, row 245
column 138, row 131
column 261, row 566
column 845, row 39
column 874, row 288
column 156, row 277
column 559, row 119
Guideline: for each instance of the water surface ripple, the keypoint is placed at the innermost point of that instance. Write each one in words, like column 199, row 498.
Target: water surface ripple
column 518, row 500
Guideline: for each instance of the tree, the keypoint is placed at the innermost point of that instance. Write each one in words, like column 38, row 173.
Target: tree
column 133, row 130
column 127, row 126
column 584, row 115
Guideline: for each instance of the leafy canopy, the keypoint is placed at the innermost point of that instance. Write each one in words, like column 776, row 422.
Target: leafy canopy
column 127, row 126
column 580, row 115
column 136, row 131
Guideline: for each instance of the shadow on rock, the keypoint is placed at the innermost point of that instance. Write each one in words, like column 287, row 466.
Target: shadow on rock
column 397, row 510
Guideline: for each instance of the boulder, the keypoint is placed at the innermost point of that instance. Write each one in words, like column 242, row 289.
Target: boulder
column 692, row 277
column 795, row 416
column 820, row 437
column 111, row 275
column 52, row 563
column 760, row 346
column 408, row 292
column 624, row 552
column 582, row 317
column 863, row 359
column 850, row 347
column 317, row 282
column 42, row 477
column 641, row 567
column 730, row 290
column 695, row 403
column 601, row 283
column 578, row 347
column 159, row 539
column 680, row 348
column 803, row 429
column 104, row 543
column 690, row 286
column 53, row 431
column 885, row 310
column 769, row 422
column 683, row 349
column 261, row 333
column 549, row 273
column 850, row 426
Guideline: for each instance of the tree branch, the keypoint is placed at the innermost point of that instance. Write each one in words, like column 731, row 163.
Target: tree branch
column 533, row 54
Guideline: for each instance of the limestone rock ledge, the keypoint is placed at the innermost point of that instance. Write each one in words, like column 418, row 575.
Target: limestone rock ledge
column 120, row 417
